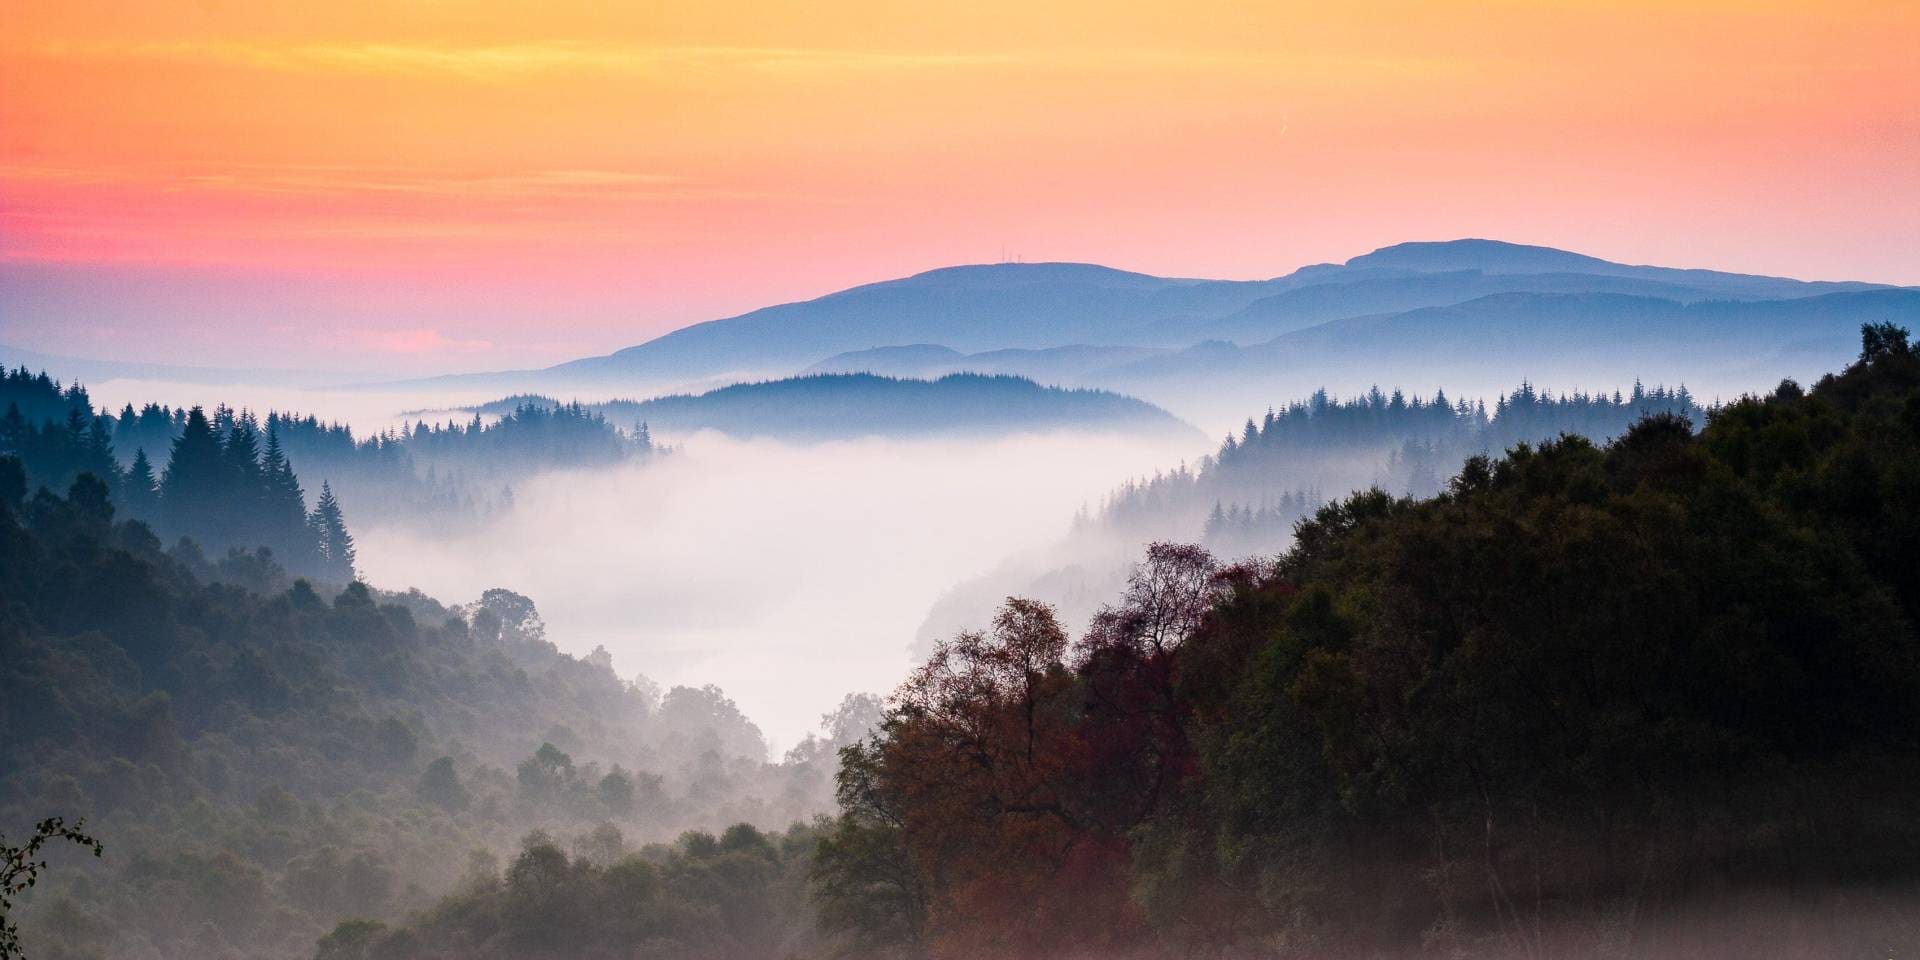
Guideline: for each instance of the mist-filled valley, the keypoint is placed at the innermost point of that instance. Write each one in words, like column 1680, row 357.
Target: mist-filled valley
column 788, row 574
column 907, row 652
column 1009, row 480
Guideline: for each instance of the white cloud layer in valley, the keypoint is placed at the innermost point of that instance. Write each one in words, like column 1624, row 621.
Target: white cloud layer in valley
column 788, row 575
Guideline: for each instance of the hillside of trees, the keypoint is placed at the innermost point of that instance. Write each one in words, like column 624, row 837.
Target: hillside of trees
column 1653, row 698
column 742, row 895
column 1287, row 463
column 438, row 475
column 220, row 481
column 1244, row 500
column 829, row 406
column 264, row 755
column 448, row 474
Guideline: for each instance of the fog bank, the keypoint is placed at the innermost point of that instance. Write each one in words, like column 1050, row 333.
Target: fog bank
column 788, row 575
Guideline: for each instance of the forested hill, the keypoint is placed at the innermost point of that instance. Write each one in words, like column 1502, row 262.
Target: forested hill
column 264, row 757
column 836, row 406
column 216, row 481
column 1282, row 466
column 438, row 475
column 1212, row 349
column 1658, row 698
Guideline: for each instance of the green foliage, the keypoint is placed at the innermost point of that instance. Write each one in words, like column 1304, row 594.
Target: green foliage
column 271, row 757
column 1661, row 692
column 440, row 786
column 736, row 896
column 864, row 881
column 230, row 482
column 20, row 868
column 1248, row 496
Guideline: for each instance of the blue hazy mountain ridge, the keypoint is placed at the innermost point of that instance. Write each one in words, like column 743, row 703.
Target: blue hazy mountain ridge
column 973, row 309
column 1594, row 340
column 850, row 405
column 906, row 360
column 1318, row 303
column 1052, row 365
column 1500, row 257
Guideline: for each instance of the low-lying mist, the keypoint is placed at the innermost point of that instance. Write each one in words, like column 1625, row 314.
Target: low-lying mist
column 788, row 575
column 369, row 411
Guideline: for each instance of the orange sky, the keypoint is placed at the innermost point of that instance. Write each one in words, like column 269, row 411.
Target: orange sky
column 424, row 185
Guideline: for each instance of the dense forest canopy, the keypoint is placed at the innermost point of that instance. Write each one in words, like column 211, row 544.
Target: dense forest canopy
column 1653, row 698
column 1648, row 696
column 441, row 475
column 1279, row 469
column 265, row 755
column 222, row 481
column 1283, row 465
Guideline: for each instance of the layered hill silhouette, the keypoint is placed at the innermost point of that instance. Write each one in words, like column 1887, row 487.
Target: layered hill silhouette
column 1720, row 348
column 832, row 406
column 1508, row 311
column 1049, row 365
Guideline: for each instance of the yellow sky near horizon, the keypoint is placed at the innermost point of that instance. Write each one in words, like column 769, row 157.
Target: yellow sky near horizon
column 637, row 166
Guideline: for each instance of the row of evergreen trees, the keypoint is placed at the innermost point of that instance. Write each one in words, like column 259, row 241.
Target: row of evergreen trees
column 221, row 484
column 1654, row 699
column 1405, row 445
column 437, row 474
column 225, row 484
column 1244, row 529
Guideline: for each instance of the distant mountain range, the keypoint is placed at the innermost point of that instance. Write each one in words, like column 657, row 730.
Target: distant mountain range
column 1465, row 314
column 833, row 406
column 1053, row 364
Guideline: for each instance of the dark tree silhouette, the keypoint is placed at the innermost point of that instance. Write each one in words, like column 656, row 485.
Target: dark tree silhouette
column 330, row 529
column 20, row 868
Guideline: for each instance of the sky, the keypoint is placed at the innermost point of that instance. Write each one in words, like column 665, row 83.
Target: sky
column 429, row 186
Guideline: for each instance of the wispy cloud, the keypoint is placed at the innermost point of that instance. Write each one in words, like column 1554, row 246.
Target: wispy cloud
column 347, row 179
column 530, row 183
column 511, row 61
column 424, row 340
column 507, row 61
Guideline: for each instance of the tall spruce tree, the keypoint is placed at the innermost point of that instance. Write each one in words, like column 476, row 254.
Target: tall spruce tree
column 284, row 509
column 245, row 492
column 191, row 488
column 335, row 543
column 140, row 490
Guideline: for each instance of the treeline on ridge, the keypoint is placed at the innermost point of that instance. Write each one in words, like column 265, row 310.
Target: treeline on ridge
column 218, row 488
column 1246, row 497
column 437, row 474
column 264, row 757
column 1656, row 698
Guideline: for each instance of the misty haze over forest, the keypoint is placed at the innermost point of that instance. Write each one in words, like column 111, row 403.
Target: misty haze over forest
column 916, row 620
column 1013, row 480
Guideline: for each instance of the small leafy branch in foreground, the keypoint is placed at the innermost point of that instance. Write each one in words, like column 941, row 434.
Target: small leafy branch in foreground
column 20, row 867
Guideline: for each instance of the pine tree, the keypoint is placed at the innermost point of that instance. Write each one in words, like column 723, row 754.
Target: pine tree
column 245, row 490
column 330, row 528
column 13, row 426
column 284, row 506
column 140, row 490
column 191, row 487
column 97, row 453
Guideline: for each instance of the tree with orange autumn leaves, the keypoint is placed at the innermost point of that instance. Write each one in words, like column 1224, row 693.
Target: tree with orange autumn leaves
column 1660, row 696
column 1012, row 767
